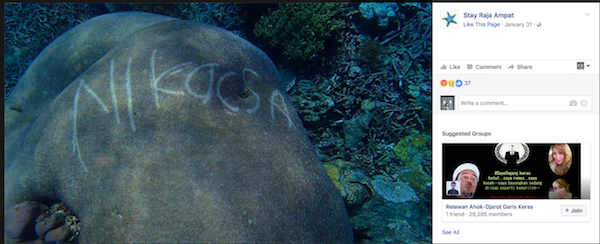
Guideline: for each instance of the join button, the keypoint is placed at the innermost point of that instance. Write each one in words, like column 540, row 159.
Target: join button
column 574, row 210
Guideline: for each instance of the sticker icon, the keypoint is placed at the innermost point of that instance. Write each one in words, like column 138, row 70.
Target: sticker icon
column 444, row 83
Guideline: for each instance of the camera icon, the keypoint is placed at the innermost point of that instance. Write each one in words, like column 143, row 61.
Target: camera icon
column 573, row 103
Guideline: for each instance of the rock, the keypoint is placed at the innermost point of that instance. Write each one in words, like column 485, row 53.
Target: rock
column 313, row 103
column 405, row 215
column 368, row 105
column 334, row 174
column 357, row 175
column 357, row 194
column 48, row 223
column 58, row 235
column 382, row 12
column 153, row 129
column 19, row 220
column 356, row 129
column 350, row 181
column 354, row 71
column 396, row 192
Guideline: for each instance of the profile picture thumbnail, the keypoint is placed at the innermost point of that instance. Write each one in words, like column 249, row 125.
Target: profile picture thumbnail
column 452, row 188
column 560, row 158
column 560, row 190
column 468, row 175
column 512, row 154
column 447, row 102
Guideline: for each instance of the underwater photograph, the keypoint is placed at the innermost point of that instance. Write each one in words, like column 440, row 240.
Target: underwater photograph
column 217, row 122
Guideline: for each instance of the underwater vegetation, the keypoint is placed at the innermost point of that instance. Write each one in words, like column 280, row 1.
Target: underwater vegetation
column 364, row 99
column 301, row 29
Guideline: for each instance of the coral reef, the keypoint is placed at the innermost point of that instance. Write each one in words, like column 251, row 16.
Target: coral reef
column 382, row 209
column 313, row 104
column 372, row 54
column 58, row 235
column 358, row 75
column 224, row 15
column 30, row 220
column 19, row 221
column 393, row 215
column 352, row 183
column 356, row 129
column 301, row 29
column 48, row 223
column 159, row 8
column 387, row 76
column 397, row 192
column 97, row 169
column 382, row 13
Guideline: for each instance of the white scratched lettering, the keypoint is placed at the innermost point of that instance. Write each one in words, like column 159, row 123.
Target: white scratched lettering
column 227, row 105
column 253, row 109
column 128, row 89
column 76, row 148
column 206, row 96
column 93, row 94
column 169, row 72
column 153, row 80
column 198, row 81
column 112, row 90
column 282, row 108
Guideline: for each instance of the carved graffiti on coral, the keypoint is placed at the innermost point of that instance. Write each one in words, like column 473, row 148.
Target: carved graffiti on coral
column 169, row 72
column 213, row 89
column 128, row 89
column 282, row 108
column 247, row 70
column 219, row 83
column 206, row 96
column 75, row 138
column 113, row 93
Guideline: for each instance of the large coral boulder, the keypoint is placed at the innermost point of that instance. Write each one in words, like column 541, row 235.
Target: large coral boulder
column 153, row 129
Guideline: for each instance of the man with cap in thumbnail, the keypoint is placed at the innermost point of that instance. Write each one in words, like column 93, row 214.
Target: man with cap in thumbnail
column 468, row 175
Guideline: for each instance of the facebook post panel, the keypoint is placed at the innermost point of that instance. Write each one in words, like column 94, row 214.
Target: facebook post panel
column 516, row 122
